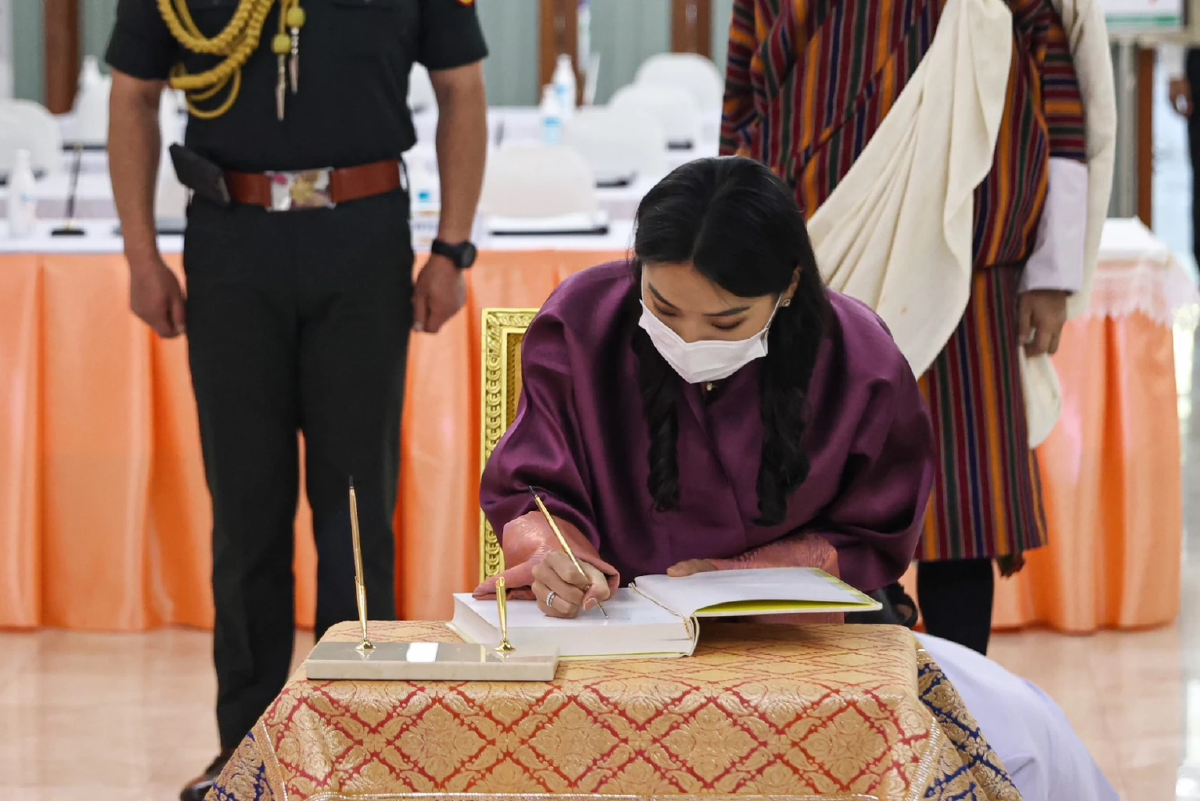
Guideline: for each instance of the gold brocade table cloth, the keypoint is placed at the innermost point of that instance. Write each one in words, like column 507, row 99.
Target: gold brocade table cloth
column 766, row 712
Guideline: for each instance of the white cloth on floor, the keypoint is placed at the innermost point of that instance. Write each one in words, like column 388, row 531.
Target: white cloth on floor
column 1028, row 731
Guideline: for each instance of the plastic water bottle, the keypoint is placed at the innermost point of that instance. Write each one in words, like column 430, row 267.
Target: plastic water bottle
column 564, row 85
column 89, row 72
column 424, row 186
column 425, row 190
column 22, row 200
column 90, row 79
column 552, row 117
column 583, row 33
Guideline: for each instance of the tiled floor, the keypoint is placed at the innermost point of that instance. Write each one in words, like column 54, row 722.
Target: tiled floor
column 99, row 717
column 117, row 717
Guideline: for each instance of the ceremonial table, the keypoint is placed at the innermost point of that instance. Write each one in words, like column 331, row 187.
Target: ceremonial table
column 105, row 519
column 779, row 712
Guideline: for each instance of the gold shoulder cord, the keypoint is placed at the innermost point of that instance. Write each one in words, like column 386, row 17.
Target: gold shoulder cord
column 235, row 44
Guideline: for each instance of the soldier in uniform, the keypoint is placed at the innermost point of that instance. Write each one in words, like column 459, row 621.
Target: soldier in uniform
column 299, row 296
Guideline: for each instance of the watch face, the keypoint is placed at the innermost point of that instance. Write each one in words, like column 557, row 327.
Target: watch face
column 462, row 255
column 466, row 255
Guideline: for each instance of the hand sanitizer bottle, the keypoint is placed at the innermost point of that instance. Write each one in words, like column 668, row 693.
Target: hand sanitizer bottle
column 564, row 85
column 552, row 117
column 22, row 201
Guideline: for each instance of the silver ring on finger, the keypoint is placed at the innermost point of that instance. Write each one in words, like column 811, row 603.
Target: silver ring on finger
column 550, row 599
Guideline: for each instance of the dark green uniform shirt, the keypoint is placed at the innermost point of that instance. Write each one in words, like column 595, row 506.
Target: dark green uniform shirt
column 355, row 57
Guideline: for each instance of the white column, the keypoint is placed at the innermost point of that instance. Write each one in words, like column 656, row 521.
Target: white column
column 6, row 50
column 1124, row 201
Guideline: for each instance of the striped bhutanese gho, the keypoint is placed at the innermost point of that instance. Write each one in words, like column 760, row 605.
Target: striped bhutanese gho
column 807, row 84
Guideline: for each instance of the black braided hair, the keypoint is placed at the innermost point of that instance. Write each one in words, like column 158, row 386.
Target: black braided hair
column 740, row 227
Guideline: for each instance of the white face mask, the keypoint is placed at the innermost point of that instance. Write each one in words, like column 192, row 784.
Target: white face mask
column 707, row 359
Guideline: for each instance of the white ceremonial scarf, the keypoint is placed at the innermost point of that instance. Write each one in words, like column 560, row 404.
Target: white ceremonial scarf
column 874, row 236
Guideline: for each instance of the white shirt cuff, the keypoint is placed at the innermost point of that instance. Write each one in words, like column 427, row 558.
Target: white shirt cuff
column 1057, row 259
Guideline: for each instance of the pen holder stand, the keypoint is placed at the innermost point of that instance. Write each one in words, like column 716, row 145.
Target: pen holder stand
column 428, row 661
column 418, row 661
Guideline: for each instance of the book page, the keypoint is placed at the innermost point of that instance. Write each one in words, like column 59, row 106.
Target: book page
column 625, row 608
column 759, row 591
column 635, row 627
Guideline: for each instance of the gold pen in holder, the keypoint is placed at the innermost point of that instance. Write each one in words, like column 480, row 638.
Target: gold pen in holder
column 561, row 539
column 505, row 647
column 360, row 585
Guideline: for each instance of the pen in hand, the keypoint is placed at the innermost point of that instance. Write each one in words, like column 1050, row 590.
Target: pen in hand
column 562, row 541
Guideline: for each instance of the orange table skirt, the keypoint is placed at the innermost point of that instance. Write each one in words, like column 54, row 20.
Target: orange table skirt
column 105, row 519
column 1112, row 478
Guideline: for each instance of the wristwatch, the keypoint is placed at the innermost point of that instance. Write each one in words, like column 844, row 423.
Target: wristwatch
column 462, row 254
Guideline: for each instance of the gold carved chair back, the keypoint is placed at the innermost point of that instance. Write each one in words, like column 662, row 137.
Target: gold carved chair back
column 503, row 332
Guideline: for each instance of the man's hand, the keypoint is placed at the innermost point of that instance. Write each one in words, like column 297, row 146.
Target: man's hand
column 156, row 296
column 1042, row 314
column 1180, row 94
column 440, row 292
column 1010, row 565
column 134, row 139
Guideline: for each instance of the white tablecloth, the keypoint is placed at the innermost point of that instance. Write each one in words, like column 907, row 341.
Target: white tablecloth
column 1139, row 273
column 507, row 126
column 100, row 237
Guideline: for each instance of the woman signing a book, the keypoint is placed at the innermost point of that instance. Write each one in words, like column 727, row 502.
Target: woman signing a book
column 712, row 406
column 709, row 405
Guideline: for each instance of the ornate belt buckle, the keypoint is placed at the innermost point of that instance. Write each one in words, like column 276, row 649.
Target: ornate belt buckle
column 309, row 189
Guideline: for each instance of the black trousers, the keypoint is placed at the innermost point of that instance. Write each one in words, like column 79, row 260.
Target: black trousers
column 297, row 322
column 956, row 599
column 1193, row 76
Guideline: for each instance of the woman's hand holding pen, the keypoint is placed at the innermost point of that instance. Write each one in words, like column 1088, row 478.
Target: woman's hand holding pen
column 562, row 591
column 537, row 563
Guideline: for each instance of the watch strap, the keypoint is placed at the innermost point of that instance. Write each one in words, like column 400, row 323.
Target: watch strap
column 462, row 254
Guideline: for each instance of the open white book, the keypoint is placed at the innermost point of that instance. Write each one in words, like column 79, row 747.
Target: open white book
column 658, row 616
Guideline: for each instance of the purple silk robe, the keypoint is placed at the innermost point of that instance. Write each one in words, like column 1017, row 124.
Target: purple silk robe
column 581, row 436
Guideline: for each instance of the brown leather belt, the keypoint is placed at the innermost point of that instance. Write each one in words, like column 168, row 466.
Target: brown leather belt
column 313, row 189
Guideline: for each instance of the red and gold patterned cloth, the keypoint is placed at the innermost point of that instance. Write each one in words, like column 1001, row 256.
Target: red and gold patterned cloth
column 761, row 712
